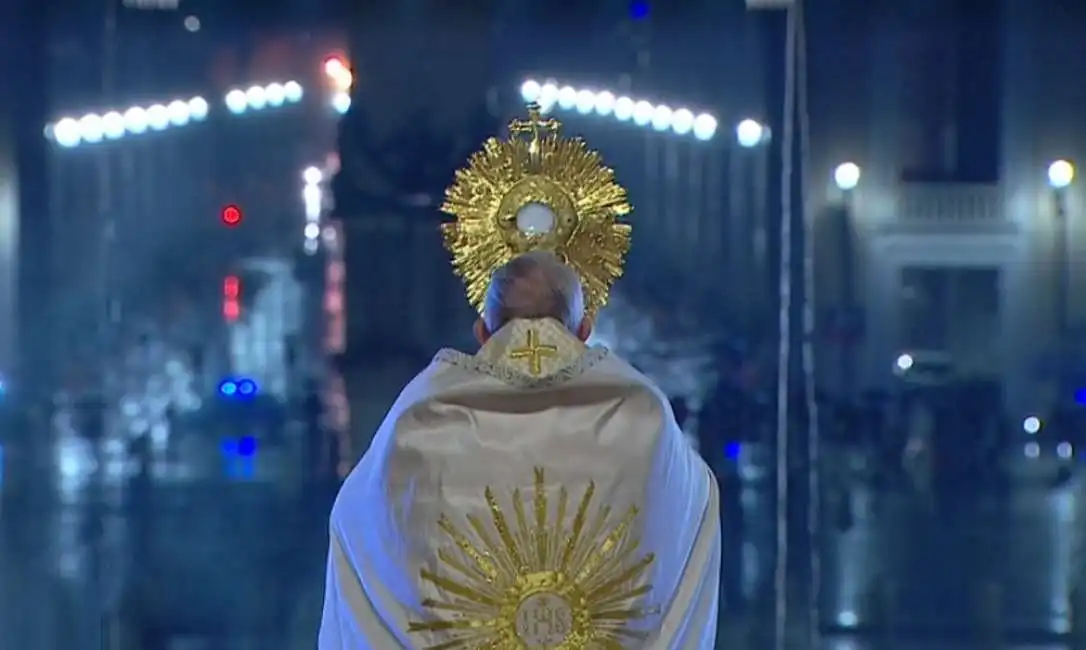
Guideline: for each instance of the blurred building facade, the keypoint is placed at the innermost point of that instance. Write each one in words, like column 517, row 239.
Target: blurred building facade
column 953, row 240
column 141, row 246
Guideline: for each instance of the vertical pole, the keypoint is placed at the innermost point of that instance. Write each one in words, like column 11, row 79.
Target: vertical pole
column 24, row 49
column 761, row 235
column 105, row 214
column 25, row 261
column 1062, row 275
column 738, row 224
column 9, row 214
column 785, row 362
column 848, row 298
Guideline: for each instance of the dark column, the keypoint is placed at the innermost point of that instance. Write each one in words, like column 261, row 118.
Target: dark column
column 24, row 38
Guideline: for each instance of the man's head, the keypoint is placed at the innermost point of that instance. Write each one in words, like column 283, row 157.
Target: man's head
column 534, row 285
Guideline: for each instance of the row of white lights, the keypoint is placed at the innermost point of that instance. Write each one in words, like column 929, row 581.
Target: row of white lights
column 660, row 117
column 256, row 98
column 93, row 128
column 749, row 133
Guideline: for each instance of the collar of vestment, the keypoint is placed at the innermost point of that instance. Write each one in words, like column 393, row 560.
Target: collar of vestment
column 529, row 353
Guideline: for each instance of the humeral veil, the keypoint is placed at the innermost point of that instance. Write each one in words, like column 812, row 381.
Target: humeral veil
column 537, row 494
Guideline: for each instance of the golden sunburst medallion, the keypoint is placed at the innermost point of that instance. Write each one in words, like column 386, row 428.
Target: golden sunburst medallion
column 546, row 576
column 536, row 190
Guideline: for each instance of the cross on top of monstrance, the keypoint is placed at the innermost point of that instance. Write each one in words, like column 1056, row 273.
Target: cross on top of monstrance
column 535, row 127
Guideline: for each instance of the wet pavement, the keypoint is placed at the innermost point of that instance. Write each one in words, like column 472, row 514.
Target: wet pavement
column 221, row 551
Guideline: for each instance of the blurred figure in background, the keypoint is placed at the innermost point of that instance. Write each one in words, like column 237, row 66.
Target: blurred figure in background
column 918, row 459
column 172, row 417
column 316, row 441
column 90, row 411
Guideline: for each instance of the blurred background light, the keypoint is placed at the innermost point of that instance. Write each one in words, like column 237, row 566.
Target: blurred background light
column 750, row 133
column 228, row 388
column 1060, row 174
column 341, row 102
column 337, row 70
column 158, row 118
column 92, row 128
column 231, row 215
column 238, row 387
column 604, row 103
column 847, row 176
column 259, row 97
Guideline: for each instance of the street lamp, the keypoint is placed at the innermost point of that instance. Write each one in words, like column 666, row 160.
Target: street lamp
column 847, row 176
column 1061, row 174
column 749, row 219
column 750, row 133
column 847, row 321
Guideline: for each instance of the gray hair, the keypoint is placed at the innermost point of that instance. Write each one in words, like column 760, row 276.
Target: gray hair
column 534, row 285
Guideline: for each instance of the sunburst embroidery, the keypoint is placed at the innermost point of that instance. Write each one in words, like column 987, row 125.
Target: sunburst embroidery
column 542, row 577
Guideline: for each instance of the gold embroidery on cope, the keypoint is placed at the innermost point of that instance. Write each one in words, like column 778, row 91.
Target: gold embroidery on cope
column 546, row 576
column 534, row 352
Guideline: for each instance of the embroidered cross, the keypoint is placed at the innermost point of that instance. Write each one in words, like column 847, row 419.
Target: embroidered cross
column 534, row 352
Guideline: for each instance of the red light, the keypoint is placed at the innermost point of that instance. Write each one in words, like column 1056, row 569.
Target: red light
column 338, row 72
column 231, row 287
column 334, row 65
column 231, row 291
column 231, row 215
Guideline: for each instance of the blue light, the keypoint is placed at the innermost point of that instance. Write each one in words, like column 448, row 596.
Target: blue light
column 238, row 388
column 246, row 446
column 1080, row 397
column 639, row 10
column 247, row 387
column 732, row 450
column 241, row 469
column 239, row 460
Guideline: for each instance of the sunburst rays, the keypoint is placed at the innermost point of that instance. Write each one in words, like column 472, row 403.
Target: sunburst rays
column 572, row 179
column 543, row 574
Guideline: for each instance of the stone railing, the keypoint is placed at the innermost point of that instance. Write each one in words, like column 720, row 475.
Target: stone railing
column 950, row 203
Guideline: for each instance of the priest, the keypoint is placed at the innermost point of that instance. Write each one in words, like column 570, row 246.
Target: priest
column 538, row 493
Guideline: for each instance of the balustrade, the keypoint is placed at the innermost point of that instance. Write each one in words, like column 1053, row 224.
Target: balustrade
column 949, row 203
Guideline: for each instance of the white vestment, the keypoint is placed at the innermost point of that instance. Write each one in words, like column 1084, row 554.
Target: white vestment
column 535, row 495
